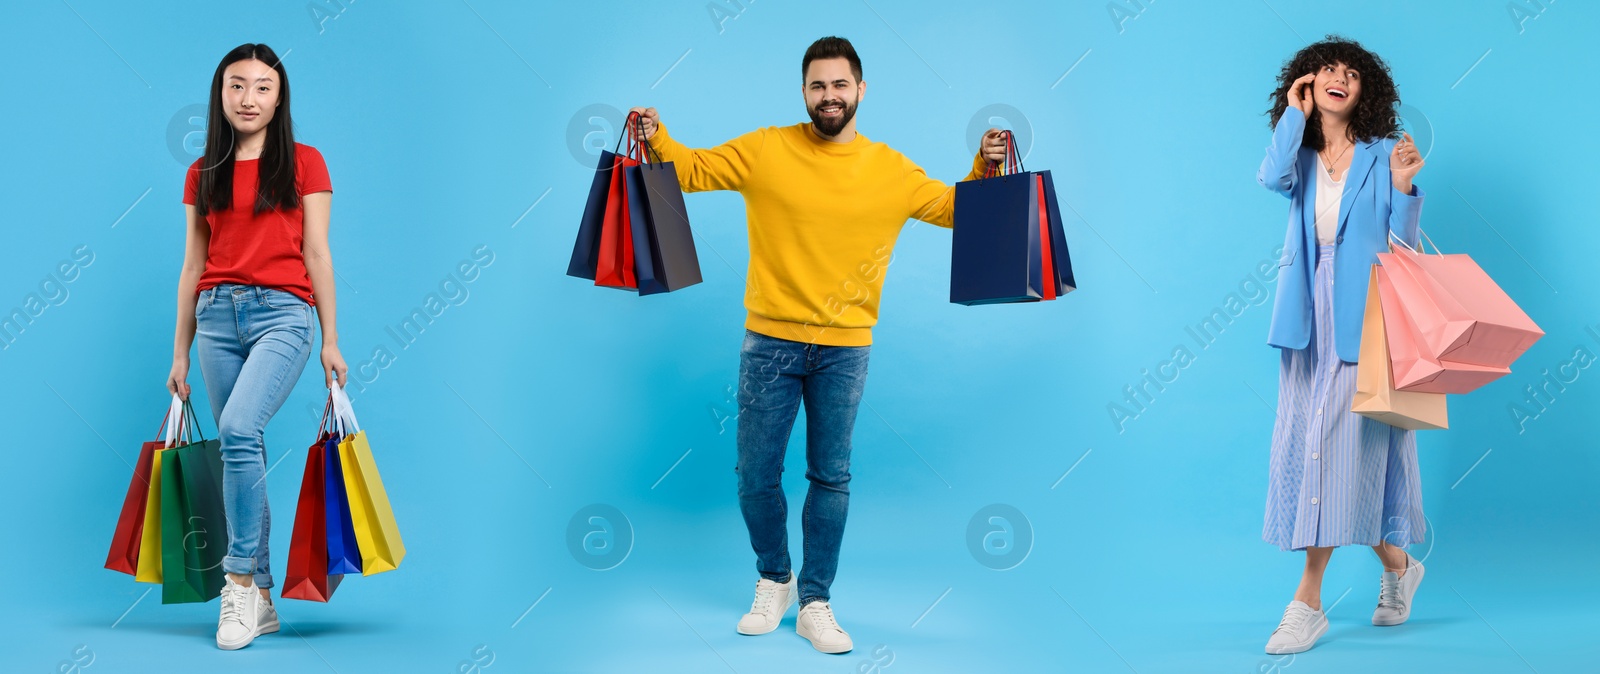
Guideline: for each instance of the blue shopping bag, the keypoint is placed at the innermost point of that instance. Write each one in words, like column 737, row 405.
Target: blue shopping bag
column 343, row 556
column 586, row 250
column 1065, row 281
column 664, row 257
column 995, row 256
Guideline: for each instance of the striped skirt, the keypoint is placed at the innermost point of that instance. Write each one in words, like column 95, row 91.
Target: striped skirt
column 1337, row 478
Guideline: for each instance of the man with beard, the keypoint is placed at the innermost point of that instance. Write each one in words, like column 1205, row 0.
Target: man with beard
column 824, row 206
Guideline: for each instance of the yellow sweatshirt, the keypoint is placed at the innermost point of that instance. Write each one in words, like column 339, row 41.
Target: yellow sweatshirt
column 823, row 220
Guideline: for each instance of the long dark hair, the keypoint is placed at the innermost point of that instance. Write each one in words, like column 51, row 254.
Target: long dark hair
column 275, row 187
column 1377, row 110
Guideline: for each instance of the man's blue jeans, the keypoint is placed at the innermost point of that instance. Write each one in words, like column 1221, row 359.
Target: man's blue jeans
column 775, row 376
column 252, row 344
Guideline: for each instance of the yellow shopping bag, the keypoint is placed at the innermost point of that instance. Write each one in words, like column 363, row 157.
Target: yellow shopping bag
column 377, row 535
column 150, row 539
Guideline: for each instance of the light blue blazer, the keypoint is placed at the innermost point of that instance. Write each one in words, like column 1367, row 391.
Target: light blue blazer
column 1370, row 209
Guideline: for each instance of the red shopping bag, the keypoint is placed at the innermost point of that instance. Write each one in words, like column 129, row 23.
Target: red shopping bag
column 124, row 554
column 1460, row 314
column 1411, row 367
column 307, row 575
column 1048, row 262
column 614, row 267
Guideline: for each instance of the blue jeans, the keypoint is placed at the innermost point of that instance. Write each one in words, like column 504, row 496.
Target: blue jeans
column 253, row 343
column 775, row 376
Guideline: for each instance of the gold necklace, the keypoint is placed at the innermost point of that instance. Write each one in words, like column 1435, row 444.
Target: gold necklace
column 1329, row 165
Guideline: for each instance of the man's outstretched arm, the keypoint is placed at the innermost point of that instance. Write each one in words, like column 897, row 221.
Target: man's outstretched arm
column 724, row 167
column 934, row 202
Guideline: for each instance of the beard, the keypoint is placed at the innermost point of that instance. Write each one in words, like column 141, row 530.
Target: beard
column 832, row 126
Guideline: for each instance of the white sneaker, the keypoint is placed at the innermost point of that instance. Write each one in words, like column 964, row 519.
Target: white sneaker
column 1395, row 592
column 772, row 601
column 816, row 623
column 267, row 623
column 1298, row 631
column 245, row 615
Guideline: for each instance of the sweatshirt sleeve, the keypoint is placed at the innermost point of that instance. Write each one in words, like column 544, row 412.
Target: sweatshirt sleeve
column 1278, row 169
column 933, row 201
column 724, row 167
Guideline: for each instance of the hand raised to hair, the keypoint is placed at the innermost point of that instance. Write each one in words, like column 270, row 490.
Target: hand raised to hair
column 1300, row 93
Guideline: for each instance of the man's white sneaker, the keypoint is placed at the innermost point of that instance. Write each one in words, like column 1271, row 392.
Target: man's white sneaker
column 816, row 623
column 1395, row 592
column 245, row 615
column 1298, row 631
column 772, row 601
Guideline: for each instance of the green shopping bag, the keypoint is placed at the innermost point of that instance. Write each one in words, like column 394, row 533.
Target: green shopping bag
column 194, row 526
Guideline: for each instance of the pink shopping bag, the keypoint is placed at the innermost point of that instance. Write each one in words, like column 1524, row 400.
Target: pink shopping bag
column 1411, row 367
column 1459, row 313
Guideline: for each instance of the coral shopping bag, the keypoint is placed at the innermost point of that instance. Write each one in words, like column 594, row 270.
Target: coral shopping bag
column 1460, row 313
column 1376, row 396
column 1409, row 363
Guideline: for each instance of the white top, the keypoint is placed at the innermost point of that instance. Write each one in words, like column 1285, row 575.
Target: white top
column 1329, row 191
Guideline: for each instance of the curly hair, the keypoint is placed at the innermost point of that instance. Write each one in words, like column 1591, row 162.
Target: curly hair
column 1377, row 108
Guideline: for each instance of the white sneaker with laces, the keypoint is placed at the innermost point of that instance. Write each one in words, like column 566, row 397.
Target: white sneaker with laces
column 816, row 624
column 1298, row 631
column 1395, row 592
column 245, row 615
column 772, row 601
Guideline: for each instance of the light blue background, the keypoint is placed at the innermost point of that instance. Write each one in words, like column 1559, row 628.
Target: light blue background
column 448, row 126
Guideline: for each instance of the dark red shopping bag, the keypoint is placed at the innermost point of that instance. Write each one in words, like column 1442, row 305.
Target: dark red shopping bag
column 615, row 264
column 124, row 554
column 307, row 576
column 1048, row 260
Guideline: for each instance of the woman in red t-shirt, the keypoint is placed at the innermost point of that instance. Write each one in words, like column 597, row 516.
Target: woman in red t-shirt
column 256, row 261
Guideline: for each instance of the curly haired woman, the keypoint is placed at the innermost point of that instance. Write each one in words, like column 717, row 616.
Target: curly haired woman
column 1336, row 477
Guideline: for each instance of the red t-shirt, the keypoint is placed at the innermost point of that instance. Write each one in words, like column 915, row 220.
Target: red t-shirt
column 260, row 250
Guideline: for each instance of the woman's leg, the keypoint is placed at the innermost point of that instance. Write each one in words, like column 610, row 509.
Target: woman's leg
column 1303, row 620
column 1393, row 558
column 279, row 341
column 221, row 352
column 1310, row 590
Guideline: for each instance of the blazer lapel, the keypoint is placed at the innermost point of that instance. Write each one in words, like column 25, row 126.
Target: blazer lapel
column 1308, row 204
column 1360, row 168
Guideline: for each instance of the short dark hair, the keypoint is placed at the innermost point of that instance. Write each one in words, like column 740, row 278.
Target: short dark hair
column 831, row 48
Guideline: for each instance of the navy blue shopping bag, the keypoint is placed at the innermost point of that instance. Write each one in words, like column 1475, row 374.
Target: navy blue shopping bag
column 664, row 255
column 995, row 256
column 1065, row 282
column 586, row 251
